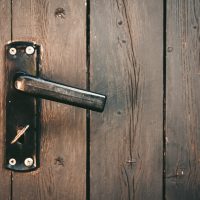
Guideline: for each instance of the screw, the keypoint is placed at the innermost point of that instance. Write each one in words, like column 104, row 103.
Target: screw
column 12, row 51
column 12, row 161
column 28, row 162
column 30, row 50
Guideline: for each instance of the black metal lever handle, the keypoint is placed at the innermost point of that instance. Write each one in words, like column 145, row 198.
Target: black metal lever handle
column 60, row 93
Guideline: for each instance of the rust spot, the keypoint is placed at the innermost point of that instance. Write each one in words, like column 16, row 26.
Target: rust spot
column 59, row 161
column 60, row 12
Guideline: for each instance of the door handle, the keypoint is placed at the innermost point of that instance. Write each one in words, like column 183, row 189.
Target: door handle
column 61, row 93
column 24, row 88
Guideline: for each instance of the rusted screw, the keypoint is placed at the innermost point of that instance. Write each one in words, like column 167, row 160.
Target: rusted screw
column 30, row 50
column 28, row 162
column 12, row 161
column 12, row 51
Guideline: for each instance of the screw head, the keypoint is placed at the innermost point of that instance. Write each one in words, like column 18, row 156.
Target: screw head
column 12, row 51
column 12, row 161
column 30, row 50
column 28, row 162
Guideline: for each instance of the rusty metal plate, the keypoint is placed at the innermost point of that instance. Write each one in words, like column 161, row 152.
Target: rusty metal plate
column 22, row 110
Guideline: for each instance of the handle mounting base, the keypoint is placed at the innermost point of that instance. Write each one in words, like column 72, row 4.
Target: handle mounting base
column 22, row 111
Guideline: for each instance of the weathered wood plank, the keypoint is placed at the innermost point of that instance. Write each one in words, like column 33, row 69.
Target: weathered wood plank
column 59, row 26
column 127, row 65
column 183, row 100
column 5, row 36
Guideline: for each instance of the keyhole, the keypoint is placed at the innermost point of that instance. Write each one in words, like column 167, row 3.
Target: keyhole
column 20, row 135
column 21, row 139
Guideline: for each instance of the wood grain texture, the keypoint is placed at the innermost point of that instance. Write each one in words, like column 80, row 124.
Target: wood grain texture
column 183, row 100
column 5, row 36
column 127, row 66
column 59, row 26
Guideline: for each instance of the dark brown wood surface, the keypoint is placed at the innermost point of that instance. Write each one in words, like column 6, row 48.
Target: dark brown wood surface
column 127, row 65
column 183, row 100
column 5, row 36
column 124, row 155
column 59, row 26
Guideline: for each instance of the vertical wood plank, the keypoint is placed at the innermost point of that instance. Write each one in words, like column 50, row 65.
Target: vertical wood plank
column 5, row 36
column 127, row 65
column 183, row 100
column 59, row 26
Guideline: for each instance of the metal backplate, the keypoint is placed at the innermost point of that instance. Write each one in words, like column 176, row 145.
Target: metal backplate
column 22, row 110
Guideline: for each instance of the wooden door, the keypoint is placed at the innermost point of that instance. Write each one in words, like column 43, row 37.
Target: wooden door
column 183, row 100
column 60, row 27
column 142, row 54
column 126, row 140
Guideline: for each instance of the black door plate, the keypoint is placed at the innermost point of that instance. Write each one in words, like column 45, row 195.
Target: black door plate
column 22, row 110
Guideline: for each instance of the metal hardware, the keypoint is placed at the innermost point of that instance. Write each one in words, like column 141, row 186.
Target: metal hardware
column 12, row 162
column 30, row 50
column 24, row 88
column 60, row 93
column 19, row 134
column 28, row 162
column 22, row 111
column 12, row 51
